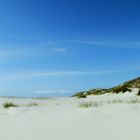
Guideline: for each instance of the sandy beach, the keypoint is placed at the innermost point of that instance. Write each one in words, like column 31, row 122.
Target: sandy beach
column 65, row 119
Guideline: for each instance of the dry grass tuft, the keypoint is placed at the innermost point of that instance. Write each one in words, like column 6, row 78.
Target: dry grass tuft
column 9, row 104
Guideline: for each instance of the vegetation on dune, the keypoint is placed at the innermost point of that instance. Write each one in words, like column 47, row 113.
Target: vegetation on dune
column 133, row 101
column 9, row 104
column 82, row 96
column 96, row 103
column 32, row 104
column 96, row 92
column 122, row 88
column 138, row 93
column 79, row 94
column 89, row 104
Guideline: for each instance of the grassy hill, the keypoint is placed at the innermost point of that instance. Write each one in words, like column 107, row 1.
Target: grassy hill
column 122, row 88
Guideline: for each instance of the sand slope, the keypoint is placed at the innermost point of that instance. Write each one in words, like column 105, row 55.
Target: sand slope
column 63, row 119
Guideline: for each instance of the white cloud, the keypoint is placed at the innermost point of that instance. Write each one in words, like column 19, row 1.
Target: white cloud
column 100, row 43
column 46, row 43
column 53, row 91
column 17, row 76
column 60, row 49
column 109, row 43
column 13, row 53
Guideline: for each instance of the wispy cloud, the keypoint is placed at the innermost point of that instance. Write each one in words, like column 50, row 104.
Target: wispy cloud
column 53, row 91
column 14, row 53
column 60, row 49
column 10, row 53
column 55, row 74
column 130, row 44
column 108, row 43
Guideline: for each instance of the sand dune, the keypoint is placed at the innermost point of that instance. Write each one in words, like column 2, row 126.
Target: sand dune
column 63, row 119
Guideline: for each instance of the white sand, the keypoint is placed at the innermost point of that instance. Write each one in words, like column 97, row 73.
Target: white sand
column 63, row 119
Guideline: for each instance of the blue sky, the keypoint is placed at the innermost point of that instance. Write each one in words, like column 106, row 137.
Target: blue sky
column 59, row 47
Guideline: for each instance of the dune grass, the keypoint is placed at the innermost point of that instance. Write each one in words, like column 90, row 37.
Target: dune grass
column 9, row 104
column 31, row 104
column 97, row 103
column 89, row 104
column 138, row 92
column 133, row 101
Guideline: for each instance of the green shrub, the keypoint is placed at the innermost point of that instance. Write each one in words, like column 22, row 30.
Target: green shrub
column 32, row 104
column 133, row 101
column 122, row 89
column 9, row 104
column 82, row 96
column 89, row 104
column 138, row 93
column 117, row 101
